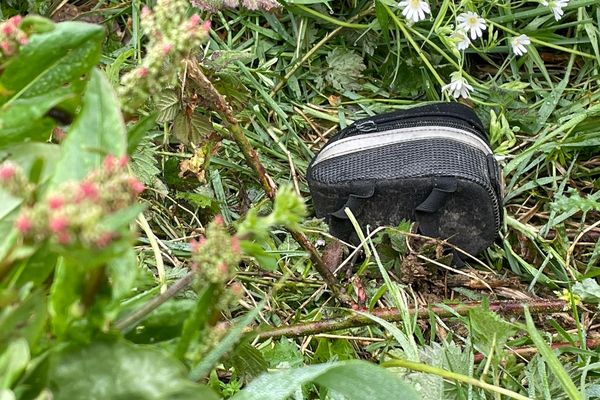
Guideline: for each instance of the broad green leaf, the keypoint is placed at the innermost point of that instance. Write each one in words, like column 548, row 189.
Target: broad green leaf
column 98, row 130
column 52, row 60
column 122, row 272
column 24, row 318
column 13, row 362
column 65, row 293
column 356, row 380
column 120, row 371
column 247, row 361
column 25, row 119
column 164, row 323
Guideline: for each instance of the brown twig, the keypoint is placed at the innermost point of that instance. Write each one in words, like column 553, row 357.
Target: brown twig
column 220, row 105
column 530, row 351
column 394, row 315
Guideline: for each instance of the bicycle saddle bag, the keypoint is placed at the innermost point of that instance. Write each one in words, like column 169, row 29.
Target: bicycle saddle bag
column 431, row 164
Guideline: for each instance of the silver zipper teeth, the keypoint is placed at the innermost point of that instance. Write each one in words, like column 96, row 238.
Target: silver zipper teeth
column 375, row 140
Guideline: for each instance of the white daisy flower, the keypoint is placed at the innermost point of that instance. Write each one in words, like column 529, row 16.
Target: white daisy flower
column 473, row 23
column 556, row 6
column 460, row 39
column 458, row 86
column 518, row 44
column 415, row 10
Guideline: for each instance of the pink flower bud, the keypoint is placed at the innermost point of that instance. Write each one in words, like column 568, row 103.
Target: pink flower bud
column 235, row 245
column 55, row 202
column 7, row 49
column 146, row 12
column 206, row 25
column 166, row 49
column 15, row 21
column 7, row 171
column 196, row 245
column 136, row 186
column 58, row 134
column 58, row 224
column 193, row 21
column 88, row 191
column 23, row 224
column 222, row 268
column 23, row 40
column 63, row 237
column 142, row 72
column 237, row 289
column 104, row 239
column 109, row 163
column 123, row 161
column 7, row 29
column 219, row 220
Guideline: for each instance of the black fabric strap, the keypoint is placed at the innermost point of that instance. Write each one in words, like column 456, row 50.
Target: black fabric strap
column 443, row 187
column 354, row 202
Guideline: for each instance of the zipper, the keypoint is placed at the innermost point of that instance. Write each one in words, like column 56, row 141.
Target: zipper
column 376, row 139
column 385, row 122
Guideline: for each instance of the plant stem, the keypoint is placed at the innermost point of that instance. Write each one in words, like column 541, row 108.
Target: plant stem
column 130, row 321
column 415, row 366
column 353, row 321
column 408, row 37
column 220, row 105
column 330, row 19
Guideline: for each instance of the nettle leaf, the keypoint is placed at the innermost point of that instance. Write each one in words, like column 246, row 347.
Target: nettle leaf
column 52, row 60
column 144, row 164
column 489, row 331
column 97, row 131
column 120, row 371
column 168, row 106
column 345, row 69
column 353, row 379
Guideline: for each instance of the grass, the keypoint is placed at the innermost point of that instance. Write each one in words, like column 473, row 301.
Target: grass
column 296, row 75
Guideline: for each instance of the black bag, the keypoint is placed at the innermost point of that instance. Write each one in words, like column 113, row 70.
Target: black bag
column 431, row 164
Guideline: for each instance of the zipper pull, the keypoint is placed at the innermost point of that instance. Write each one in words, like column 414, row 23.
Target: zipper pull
column 366, row 126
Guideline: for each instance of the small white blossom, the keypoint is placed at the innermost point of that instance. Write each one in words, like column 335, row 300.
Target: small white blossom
column 415, row 10
column 473, row 23
column 556, row 6
column 518, row 44
column 458, row 86
column 460, row 39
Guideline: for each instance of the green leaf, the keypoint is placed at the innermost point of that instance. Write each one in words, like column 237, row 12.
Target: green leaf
column 120, row 371
column 283, row 354
column 265, row 260
column 489, row 331
column 354, row 379
column 25, row 119
column 98, row 130
column 122, row 272
column 13, row 362
column 52, row 60
column 551, row 359
column 137, row 132
column 588, row 290
column 164, row 323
